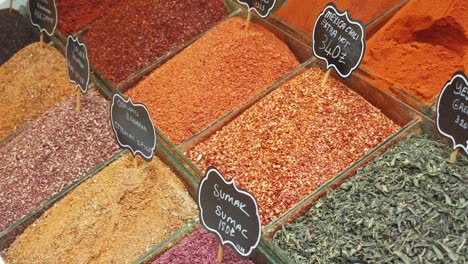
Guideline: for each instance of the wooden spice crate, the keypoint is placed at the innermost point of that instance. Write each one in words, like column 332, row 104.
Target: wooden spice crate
column 393, row 108
column 420, row 126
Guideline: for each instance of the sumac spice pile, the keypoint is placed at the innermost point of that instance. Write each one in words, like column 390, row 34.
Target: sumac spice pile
column 58, row 148
column 31, row 82
column 135, row 33
column 294, row 140
column 115, row 216
column 199, row 247
column 16, row 32
column 220, row 71
column 75, row 15
column 407, row 206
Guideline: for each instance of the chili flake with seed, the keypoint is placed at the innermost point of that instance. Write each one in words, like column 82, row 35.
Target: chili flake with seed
column 294, row 140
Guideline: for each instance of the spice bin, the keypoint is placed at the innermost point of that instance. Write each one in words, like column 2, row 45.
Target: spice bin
column 437, row 202
column 234, row 166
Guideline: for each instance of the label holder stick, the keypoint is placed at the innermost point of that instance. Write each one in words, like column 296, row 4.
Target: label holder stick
column 11, row 6
column 453, row 156
column 41, row 39
column 249, row 17
column 220, row 253
column 78, row 100
column 325, row 79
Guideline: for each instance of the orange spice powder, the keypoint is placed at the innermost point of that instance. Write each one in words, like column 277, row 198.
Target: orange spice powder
column 420, row 48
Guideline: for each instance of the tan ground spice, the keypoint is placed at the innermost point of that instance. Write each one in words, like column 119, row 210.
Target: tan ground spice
column 31, row 82
column 113, row 217
column 220, row 71
column 294, row 140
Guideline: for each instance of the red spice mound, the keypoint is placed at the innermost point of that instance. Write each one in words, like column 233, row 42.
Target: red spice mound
column 294, row 140
column 135, row 33
column 303, row 13
column 220, row 71
column 56, row 150
column 75, row 15
column 420, row 48
column 199, row 247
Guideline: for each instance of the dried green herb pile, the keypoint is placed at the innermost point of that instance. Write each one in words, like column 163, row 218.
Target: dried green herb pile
column 407, row 206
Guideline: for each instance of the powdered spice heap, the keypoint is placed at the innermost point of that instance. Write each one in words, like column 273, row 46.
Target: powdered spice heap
column 75, row 15
column 303, row 13
column 420, row 48
column 58, row 148
column 214, row 75
column 294, row 140
column 16, row 32
column 135, row 33
column 199, row 247
column 31, row 82
column 113, row 217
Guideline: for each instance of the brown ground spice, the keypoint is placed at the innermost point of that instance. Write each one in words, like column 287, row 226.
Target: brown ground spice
column 294, row 140
column 113, row 217
column 31, row 82
column 220, row 71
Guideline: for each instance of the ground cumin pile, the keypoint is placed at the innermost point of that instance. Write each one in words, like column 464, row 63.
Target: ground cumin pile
column 31, row 82
column 113, row 217
column 220, row 71
column 420, row 48
column 303, row 13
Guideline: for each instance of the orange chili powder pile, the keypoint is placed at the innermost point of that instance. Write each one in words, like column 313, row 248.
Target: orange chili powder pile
column 420, row 48
column 294, row 140
column 220, row 71
column 303, row 13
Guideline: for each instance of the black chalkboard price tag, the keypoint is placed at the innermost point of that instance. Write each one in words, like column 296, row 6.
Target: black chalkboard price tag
column 133, row 127
column 43, row 15
column 228, row 212
column 339, row 40
column 452, row 111
column 77, row 63
column 261, row 7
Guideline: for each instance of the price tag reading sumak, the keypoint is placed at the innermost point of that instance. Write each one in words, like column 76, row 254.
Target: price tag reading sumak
column 77, row 63
column 339, row 40
column 43, row 14
column 452, row 111
column 262, row 7
column 133, row 127
column 228, row 212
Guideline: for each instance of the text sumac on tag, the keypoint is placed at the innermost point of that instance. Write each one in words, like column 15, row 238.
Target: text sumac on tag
column 228, row 212
column 339, row 40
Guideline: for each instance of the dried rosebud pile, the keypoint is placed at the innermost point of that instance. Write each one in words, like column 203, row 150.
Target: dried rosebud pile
column 57, row 149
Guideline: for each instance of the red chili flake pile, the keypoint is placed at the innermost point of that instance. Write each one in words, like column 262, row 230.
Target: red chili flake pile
column 135, row 33
column 199, row 247
column 294, row 140
column 220, row 71
column 31, row 82
column 58, row 148
column 75, row 15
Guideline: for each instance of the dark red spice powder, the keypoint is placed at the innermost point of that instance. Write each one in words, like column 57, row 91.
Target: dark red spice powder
column 199, row 247
column 135, row 33
column 75, row 15
column 57, row 149
column 294, row 140
column 220, row 71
